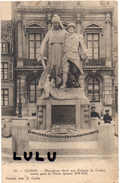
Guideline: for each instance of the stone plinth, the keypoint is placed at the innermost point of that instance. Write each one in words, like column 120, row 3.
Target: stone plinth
column 6, row 128
column 20, row 136
column 81, row 110
column 94, row 122
column 106, row 139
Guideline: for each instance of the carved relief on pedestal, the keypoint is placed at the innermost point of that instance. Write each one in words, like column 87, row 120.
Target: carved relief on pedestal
column 40, row 115
column 86, row 114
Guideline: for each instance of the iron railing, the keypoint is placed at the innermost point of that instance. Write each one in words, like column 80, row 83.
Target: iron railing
column 92, row 62
column 95, row 62
column 28, row 62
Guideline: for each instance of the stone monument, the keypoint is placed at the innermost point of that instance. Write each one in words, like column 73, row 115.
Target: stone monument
column 63, row 103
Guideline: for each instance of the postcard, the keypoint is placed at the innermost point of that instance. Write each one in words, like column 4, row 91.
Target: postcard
column 59, row 91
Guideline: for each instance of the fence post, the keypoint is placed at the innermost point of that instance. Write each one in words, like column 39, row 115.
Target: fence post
column 20, row 136
column 106, row 140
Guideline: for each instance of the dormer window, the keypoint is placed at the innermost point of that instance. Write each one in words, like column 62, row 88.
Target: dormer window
column 4, row 47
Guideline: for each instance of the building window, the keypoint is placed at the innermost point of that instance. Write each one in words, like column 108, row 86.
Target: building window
column 4, row 70
column 93, row 45
column 34, row 45
column 3, row 47
column 94, row 89
column 34, row 90
column 4, row 97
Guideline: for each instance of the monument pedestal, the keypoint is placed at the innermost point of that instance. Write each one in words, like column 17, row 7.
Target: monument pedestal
column 63, row 112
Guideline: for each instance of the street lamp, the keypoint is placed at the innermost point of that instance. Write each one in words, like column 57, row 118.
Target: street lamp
column 20, row 104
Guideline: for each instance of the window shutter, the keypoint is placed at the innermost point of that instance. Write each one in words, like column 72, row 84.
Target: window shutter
column 10, row 70
column 10, row 96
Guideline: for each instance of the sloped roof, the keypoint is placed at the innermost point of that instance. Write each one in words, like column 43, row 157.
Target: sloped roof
column 6, row 30
column 58, row 4
column 94, row 6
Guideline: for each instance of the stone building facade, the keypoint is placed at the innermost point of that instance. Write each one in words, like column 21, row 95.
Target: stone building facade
column 95, row 20
column 7, row 69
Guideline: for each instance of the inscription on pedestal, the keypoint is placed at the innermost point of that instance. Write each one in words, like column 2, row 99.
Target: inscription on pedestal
column 63, row 115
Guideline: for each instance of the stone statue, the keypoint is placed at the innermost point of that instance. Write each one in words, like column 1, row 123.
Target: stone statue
column 55, row 37
column 63, row 62
column 74, row 51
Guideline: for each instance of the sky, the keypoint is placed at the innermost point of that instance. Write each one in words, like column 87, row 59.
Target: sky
column 5, row 10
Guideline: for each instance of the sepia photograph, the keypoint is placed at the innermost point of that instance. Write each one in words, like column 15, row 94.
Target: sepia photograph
column 59, row 91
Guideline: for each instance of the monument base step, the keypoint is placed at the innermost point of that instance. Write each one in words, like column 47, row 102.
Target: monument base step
column 64, row 148
column 7, row 150
column 59, row 158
